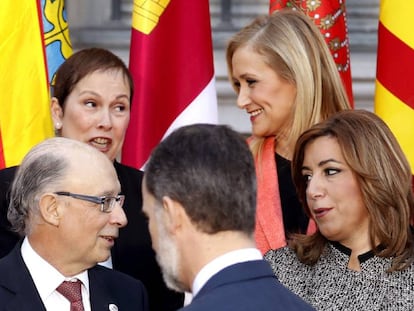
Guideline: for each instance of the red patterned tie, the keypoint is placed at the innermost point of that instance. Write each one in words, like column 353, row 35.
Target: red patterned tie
column 72, row 292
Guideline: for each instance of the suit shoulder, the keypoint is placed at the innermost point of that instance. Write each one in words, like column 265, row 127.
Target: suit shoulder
column 7, row 174
column 246, row 286
column 127, row 171
column 122, row 289
column 6, row 179
column 114, row 277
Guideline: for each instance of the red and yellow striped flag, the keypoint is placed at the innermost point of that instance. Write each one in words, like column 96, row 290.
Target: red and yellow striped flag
column 394, row 87
column 30, row 32
column 171, row 60
column 330, row 17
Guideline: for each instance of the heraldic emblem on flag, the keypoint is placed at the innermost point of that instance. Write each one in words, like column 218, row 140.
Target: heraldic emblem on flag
column 330, row 17
column 35, row 41
column 171, row 61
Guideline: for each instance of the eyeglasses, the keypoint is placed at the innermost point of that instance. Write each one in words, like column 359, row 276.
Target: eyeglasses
column 107, row 203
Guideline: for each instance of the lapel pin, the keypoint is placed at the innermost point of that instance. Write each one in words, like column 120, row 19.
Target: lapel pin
column 113, row 307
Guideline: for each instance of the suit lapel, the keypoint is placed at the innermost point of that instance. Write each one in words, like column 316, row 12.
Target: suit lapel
column 16, row 279
column 101, row 297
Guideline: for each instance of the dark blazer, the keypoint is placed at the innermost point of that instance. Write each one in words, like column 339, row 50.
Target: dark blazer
column 132, row 252
column 8, row 238
column 106, row 286
column 247, row 286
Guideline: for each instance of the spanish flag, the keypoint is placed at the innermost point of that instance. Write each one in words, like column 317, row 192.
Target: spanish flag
column 394, row 87
column 330, row 17
column 34, row 41
column 171, row 60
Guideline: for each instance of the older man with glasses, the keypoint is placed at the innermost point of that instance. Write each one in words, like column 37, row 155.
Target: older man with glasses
column 65, row 202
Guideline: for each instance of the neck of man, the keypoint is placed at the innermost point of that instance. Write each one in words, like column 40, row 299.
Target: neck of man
column 52, row 252
column 204, row 247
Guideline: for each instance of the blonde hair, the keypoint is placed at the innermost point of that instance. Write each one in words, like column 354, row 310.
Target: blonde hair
column 293, row 46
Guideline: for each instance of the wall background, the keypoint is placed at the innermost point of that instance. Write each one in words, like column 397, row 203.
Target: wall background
column 107, row 24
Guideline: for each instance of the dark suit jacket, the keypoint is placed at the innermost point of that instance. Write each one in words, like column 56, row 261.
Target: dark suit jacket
column 247, row 286
column 132, row 252
column 18, row 291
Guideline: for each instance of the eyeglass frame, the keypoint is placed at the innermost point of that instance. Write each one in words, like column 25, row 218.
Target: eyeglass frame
column 120, row 199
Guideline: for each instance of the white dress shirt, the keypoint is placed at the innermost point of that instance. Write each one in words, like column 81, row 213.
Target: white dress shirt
column 221, row 262
column 107, row 263
column 47, row 279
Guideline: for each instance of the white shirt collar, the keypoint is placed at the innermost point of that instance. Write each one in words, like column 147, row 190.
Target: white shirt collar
column 39, row 268
column 221, row 262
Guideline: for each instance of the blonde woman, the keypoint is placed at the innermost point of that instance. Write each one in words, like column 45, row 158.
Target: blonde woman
column 286, row 80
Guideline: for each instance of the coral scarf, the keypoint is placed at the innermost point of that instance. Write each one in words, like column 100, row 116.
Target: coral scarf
column 270, row 231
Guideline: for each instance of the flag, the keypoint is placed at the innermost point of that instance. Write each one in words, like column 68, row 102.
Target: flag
column 394, row 86
column 171, row 60
column 34, row 42
column 330, row 17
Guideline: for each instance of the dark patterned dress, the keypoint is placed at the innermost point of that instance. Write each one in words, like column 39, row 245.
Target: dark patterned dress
column 331, row 285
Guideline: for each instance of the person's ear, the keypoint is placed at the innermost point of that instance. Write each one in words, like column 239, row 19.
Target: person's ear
column 175, row 214
column 57, row 113
column 49, row 211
